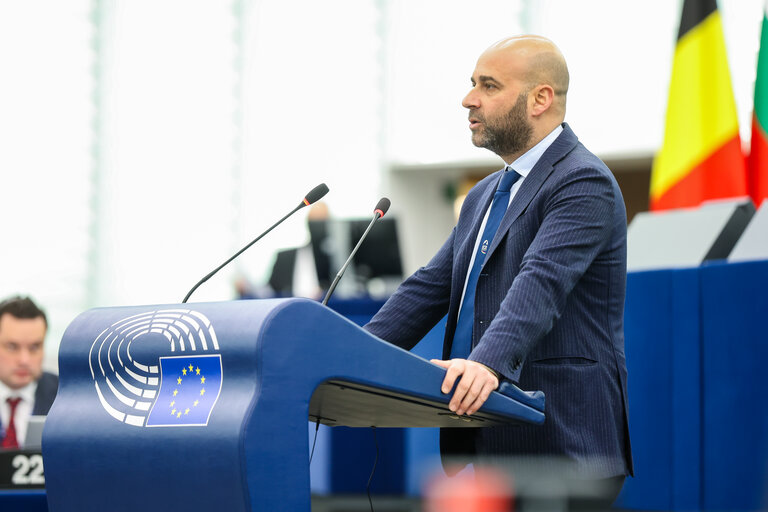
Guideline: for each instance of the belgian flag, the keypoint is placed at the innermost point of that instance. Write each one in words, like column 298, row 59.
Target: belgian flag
column 701, row 157
column 758, row 156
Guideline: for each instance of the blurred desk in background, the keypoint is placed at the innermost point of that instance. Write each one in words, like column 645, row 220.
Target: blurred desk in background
column 696, row 346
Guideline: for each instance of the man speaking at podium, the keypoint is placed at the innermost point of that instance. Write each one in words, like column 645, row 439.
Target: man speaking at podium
column 25, row 390
column 532, row 277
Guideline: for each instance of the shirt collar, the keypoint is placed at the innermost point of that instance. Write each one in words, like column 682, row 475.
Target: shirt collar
column 27, row 393
column 525, row 163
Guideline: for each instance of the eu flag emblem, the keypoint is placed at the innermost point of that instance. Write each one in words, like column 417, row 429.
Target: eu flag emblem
column 189, row 388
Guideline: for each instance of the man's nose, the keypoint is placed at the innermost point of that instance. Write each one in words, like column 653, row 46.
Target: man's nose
column 24, row 357
column 470, row 100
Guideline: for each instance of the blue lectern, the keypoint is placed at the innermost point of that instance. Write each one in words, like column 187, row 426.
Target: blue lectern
column 204, row 407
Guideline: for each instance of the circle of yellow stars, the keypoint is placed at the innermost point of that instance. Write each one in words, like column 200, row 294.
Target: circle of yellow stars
column 188, row 371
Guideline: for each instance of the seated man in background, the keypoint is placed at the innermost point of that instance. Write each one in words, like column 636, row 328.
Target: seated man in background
column 298, row 271
column 305, row 271
column 25, row 390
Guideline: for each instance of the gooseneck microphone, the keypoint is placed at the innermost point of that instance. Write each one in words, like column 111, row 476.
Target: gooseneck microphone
column 381, row 208
column 312, row 196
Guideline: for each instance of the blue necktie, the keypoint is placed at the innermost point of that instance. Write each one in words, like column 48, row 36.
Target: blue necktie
column 462, row 338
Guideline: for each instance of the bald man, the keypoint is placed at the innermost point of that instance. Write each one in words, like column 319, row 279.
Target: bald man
column 532, row 278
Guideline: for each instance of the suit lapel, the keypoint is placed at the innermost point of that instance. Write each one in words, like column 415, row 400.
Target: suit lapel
column 467, row 244
column 564, row 143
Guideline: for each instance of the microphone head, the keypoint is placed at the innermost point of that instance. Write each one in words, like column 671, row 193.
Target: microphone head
column 315, row 194
column 382, row 206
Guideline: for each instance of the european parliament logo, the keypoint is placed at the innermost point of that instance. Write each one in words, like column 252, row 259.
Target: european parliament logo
column 158, row 369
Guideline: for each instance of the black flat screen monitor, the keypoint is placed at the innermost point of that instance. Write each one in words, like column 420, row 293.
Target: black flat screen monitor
column 379, row 256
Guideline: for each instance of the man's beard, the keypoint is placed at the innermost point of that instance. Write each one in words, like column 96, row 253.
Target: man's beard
column 508, row 135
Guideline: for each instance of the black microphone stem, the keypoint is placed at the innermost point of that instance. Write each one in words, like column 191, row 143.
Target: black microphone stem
column 376, row 216
column 238, row 253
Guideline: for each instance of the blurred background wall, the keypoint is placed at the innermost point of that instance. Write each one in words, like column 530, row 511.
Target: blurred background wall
column 142, row 142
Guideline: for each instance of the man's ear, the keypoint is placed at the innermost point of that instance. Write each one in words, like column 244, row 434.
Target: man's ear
column 543, row 96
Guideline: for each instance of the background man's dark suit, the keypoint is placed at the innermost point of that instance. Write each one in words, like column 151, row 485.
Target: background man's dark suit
column 45, row 393
column 284, row 269
column 548, row 309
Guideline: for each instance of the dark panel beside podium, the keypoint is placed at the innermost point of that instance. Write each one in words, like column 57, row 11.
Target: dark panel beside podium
column 22, row 481
column 686, row 237
column 753, row 244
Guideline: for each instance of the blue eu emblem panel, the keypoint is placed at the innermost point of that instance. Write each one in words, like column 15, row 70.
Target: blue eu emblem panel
column 189, row 388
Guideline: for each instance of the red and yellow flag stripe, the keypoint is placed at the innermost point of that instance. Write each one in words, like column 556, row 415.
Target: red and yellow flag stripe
column 701, row 156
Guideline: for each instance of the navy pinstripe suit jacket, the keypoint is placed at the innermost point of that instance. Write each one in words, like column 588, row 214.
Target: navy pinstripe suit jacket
column 549, row 309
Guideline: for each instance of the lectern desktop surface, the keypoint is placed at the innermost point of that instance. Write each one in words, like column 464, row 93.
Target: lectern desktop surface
column 346, row 403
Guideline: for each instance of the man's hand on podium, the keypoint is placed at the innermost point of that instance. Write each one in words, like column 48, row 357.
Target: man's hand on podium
column 477, row 382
